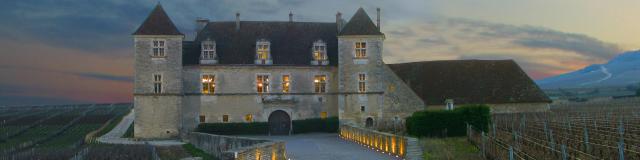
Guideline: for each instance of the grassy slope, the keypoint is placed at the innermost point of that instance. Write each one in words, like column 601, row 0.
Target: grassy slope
column 450, row 148
column 195, row 152
column 129, row 133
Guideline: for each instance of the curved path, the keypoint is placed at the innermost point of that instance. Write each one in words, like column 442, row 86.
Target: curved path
column 324, row 146
column 115, row 135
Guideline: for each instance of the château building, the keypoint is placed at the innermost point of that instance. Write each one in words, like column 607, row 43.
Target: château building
column 276, row 72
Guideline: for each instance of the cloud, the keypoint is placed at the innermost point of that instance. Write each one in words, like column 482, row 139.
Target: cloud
column 446, row 38
column 106, row 77
column 571, row 42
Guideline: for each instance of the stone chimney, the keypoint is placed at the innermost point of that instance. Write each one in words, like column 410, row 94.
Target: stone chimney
column 378, row 19
column 290, row 16
column 201, row 23
column 339, row 21
column 237, row 21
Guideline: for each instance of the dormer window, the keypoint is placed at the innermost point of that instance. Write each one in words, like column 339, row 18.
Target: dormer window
column 319, row 53
column 158, row 49
column 208, row 52
column 263, row 52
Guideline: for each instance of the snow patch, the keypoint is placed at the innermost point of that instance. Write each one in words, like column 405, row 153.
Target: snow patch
column 606, row 73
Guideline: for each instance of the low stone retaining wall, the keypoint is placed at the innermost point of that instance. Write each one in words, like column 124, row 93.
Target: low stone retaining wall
column 387, row 143
column 237, row 148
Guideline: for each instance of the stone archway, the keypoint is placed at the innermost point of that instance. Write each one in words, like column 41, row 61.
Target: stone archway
column 369, row 122
column 279, row 123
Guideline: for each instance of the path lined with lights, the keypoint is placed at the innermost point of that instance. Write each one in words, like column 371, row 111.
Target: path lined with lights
column 323, row 146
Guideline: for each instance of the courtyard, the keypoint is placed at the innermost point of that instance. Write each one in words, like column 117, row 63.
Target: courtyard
column 323, row 146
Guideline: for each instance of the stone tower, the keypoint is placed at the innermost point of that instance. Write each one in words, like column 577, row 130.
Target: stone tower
column 158, row 77
column 360, row 71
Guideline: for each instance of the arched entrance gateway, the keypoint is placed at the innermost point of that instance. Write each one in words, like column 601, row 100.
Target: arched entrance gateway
column 279, row 123
column 369, row 122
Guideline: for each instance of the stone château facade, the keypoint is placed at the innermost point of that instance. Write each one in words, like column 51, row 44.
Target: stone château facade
column 265, row 71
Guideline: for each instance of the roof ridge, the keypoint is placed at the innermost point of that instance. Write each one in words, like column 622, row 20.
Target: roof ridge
column 360, row 24
column 157, row 23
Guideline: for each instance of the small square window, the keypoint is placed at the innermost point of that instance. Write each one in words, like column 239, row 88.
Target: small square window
column 202, row 118
column 323, row 115
column 361, row 108
column 225, row 118
column 248, row 118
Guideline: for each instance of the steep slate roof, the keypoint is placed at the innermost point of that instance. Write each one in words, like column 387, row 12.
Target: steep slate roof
column 470, row 82
column 158, row 23
column 291, row 42
column 360, row 24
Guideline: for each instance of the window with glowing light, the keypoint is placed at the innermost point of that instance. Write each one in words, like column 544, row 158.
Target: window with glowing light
column 202, row 118
column 362, row 82
column 323, row 115
column 208, row 84
column 320, row 83
column 319, row 51
column 157, row 83
column 361, row 50
column 225, row 118
column 286, row 83
column 248, row 118
column 158, row 48
column 262, row 83
column 208, row 50
column 263, row 50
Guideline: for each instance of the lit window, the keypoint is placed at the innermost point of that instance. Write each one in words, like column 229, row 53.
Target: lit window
column 208, row 50
column 319, row 51
column 320, row 82
column 285, row 83
column 202, row 118
column 323, row 115
column 362, row 82
column 225, row 118
column 157, row 83
column 248, row 118
column 158, row 48
column 262, row 51
column 262, row 83
column 361, row 49
column 208, row 84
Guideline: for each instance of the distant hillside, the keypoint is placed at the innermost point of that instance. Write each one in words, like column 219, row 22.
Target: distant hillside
column 622, row 70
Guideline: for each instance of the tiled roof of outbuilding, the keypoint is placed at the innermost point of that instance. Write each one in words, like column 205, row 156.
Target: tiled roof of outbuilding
column 360, row 24
column 157, row 23
column 291, row 42
column 470, row 82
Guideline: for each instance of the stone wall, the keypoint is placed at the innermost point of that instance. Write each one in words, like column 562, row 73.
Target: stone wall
column 349, row 67
column 235, row 93
column 399, row 146
column 157, row 116
column 399, row 103
column 237, row 148
column 506, row 107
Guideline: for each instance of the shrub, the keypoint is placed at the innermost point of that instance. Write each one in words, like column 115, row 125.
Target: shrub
column 329, row 125
column 448, row 122
column 234, row 128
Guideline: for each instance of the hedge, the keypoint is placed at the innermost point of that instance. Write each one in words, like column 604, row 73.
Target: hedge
column 329, row 125
column 234, row 128
column 448, row 122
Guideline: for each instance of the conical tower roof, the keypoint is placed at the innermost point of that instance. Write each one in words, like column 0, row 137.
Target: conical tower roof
column 360, row 24
column 158, row 23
